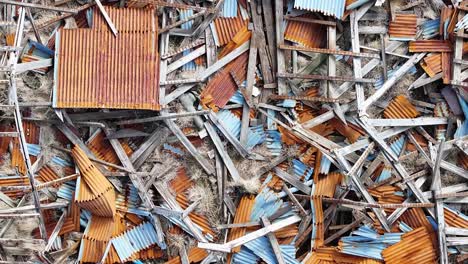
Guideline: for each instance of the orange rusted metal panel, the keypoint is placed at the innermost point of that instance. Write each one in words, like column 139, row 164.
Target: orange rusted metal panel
column 430, row 46
column 415, row 247
column 432, row 64
column 223, row 86
column 194, row 255
column 330, row 255
column 95, row 192
column 96, row 69
column 454, row 220
column 102, row 149
column 400, row 107
column 94, row 242
column 244, row 209
column 47, row 173
column 446, row 67
column 228, row 27
column 403, row 27
column 326, row 184
column 307, row 34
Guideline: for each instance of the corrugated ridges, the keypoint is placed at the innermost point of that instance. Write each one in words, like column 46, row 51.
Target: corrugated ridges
column 415, row 247
column 350, row 131
column 94, row 242
column 327, row 7
column 102, row 149
column 387, row 194
column 415, row 218
column 307, row 34
column 95, row 193
column 400, row 107
column 134, row 240
column 430, row 46
column 326, row 184
column 330, row 255
column 244, row 209
column 47, row 173
column 453, row 219
column 227, row 27
column 432, row 64
column 222, row 86
column 403, row 27
column 194, row 255
column 96, row 69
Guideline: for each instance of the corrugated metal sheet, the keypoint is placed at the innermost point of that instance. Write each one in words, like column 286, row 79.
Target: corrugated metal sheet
column 229, row 8
column 350, row 131
column 430, row 28
column 430, row 46
column 403, row 27
column 326, row 184
column 400, row 107
column 194, row 255
column 220, row 89
column 224, row 29
column 273, row 142
column 94, row 191
column 245, row 256
column 432, row 64
column 134, row 240
column 416, row 218
column 330, row 255
column 329, row 7
column 96, row 236
column 301, row 170
column 307, row 34
column 95, row 69
column 102, row 149
column 455, row 218
column 47, row 173
column 262, row 248
column 318, row 235
column 244, row 209
column 267, row 202
column 415, row 247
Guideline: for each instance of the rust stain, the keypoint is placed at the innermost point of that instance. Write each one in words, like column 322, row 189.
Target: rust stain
column 99, row 70
column 432, row 64
column 404, row 26
column 326, row 184
column 454, row 220
column 430, row 46
column 415, row 247
column 244, row 209
column 94, row 243
column 400, row 107
column 194, row 255
column 307, row 34
column 102, row 149
column 228, row 27
column 95, row 193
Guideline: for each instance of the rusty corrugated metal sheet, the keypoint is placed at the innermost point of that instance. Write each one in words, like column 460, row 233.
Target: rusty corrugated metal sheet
column 331, row 255
column 194, row 255
column 96, row 69
column 307, row 34
column 14, row 181
column 334, row 8
column 72, row 222
column 227, row 27
column 244, row 209
column 102, row 149
column 415, row 218
column 415, row 247
column 350, row 131
column 32, row 134
column 403, row 27
column 95, row 193
column 446, row 67
column 95, row 240
column 432, row 64
column 326, row 184
column 317, row 221
column 454, row 220
column 47, row 173
column 222, row 86
column 400, row 107
column 386, row 194
column 430, row 46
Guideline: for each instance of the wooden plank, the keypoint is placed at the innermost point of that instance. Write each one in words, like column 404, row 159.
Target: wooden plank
column 311, row 21
column 281, row 63
column 273, row 241
column 412, row 122
column 325, row 77
column 44, row 7
column 155, row 140
column 294, row 181
column 343, row 230
column 330, row 51
column 293, row 199
column 185, row 59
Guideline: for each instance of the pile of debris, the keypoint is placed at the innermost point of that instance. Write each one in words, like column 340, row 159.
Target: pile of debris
column 234, row 131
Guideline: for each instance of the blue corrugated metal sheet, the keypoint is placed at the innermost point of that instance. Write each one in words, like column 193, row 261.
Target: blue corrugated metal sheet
column 327, row 7
column 463, row 129
column 430, row 28
column 173, row 149
column 134, row 240
column 357, row 4
column 404, row 227
column 273, row 142
column 229, row 8
column 462, row 24
column 266, row 203
column 385, row 174
column 66, row 190
column 366, row 242
column 325, row 165
column 397, row 145
column 189, row 66
column 34, row 149
column 390, row 73
column 185, row 13
column 256, row 136
column 262, row 248
column 288, row 103
column 245, row 256
column 230, row 122
column 237, row 98
column 300, row 169
column 61, row 162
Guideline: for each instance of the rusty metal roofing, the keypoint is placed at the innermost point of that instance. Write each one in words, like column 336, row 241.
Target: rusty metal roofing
column 400, row 107
column 453, row 219
column 326, row 184
column 415, row 247
column 47, row 173
column 330, row 255
column 194, row 255
column 432, row 64
column 225, row 28
column 350, row 131
column 95, row 69
column 95, row 239
column 223, row 86
column 403, row 27
column 307, row 34
column 430, row 46
column 244, row 209
column 415, row 218
column 95, row 193
column 102, row 149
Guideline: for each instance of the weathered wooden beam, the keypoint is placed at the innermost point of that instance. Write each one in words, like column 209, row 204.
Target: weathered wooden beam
column 412, row 122
column 273, row 241
column 38, row 6
column 343, row 230
column 324, row 77
column 330, row 51
column 311, row 21
column 294, row 181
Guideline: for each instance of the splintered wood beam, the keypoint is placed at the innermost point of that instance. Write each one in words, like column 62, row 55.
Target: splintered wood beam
column 185, row 59
column 281, row 63
column 56, row 230
column 311, row 21
column 331, row 51
column 325, row 77
column 156, row 139
column 227, row 247
column 294, row 181
column 273, row 241
column 411, row 122
column 356, row 61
